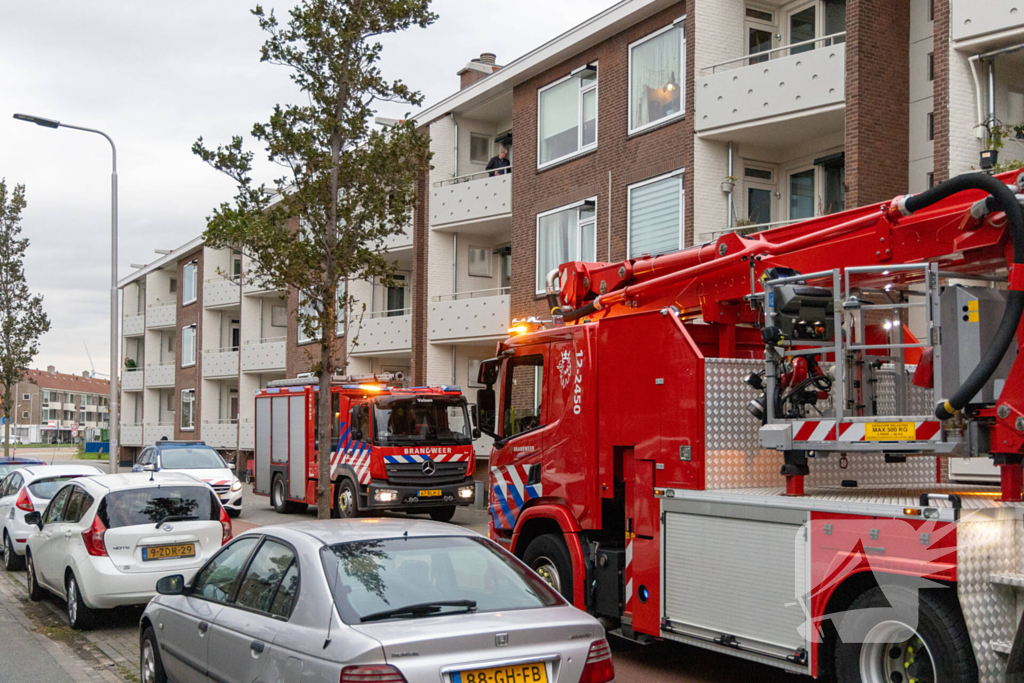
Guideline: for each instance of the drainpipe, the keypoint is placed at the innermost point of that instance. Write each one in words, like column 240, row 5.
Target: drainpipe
column 991, row 93
column 729, row 210
column 456, row 124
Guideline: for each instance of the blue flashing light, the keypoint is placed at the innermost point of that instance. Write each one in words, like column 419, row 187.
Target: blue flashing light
column 451, row 388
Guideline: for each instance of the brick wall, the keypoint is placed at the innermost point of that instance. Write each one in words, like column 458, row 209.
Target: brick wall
column 419, row 298
column 302, row 358
column 628, row 159
column 940, row 48
column 191, row 377
column 877, row 100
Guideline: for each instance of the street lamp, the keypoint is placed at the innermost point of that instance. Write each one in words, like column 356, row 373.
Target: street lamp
column 114, row 365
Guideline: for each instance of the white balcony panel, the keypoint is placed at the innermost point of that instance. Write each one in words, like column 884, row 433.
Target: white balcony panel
column 474, row 200
column 469, row 319
column 246, row 436
column 161, row 316
column 155, row 432
column 220, row 364
column 158, row 376
column 402, row 240
column 131, row 435
column 133, row 325
column 220, row 435
column 221, row 293
column 132, row 380
column 257, row 287
column 264, row 356
column 973, row 18
column 784, row 86
column 385, row 335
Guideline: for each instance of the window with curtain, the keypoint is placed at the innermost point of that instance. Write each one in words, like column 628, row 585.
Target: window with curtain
column 565, row 235
column 656, row 78
column 188, row 401
column 567, row 121
column 189, row 292
column 188, row 345
column 656, row 216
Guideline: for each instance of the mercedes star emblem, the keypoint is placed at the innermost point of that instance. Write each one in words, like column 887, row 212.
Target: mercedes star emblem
column 429, row 467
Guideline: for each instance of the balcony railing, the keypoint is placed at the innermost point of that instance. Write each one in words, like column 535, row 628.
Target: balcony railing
column 160, row 375
column 133, row 325
column 973, row 19
column 385, row 332
column 263, row 355
column 131, row 434
column 221, row 362
column 221, row 434
column 257, row 286
column 155, row 432
column 751, row 229
column 222, row 292
column 159, row 316
column 806, row 75
column 472, row 197
column 465, row 317
column 246, row 436
column 132, row 380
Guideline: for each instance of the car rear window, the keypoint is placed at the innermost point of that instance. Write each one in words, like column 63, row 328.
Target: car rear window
column 153, row 504
column 368, row 577
column 47, row 488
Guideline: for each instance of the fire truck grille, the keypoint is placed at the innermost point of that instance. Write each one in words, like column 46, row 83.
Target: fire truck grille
column 412, row 473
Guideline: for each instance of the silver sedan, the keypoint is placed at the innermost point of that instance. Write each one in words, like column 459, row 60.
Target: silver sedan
column 370, row 600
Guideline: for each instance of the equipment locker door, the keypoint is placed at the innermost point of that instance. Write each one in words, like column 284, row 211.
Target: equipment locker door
column 298, row 469
column 262, row 483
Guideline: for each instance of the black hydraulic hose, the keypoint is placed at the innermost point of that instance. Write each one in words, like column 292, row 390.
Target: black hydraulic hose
column 1004, row 200
column 581, row 312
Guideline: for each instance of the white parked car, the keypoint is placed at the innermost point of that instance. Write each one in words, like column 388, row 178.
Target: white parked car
column 105, row 541
column 198, row 460
column 29, row 489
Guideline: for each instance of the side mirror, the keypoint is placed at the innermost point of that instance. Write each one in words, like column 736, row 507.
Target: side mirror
column 485, row 401
column 34, row 518
column 149, row 468
column 171, row 585
column 474, row 419
column 136, row 467
column 357, row 434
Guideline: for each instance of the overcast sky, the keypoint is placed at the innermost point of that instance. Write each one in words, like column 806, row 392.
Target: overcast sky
column 155, row 76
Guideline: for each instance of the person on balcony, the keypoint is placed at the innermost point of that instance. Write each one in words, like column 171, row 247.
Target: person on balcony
column 498, row 164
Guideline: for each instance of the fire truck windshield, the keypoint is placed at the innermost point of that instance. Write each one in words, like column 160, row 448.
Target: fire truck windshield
column 402, row 420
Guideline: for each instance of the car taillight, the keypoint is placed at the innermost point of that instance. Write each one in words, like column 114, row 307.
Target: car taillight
column 599, row 668
column 24, row 502
column 93, row 538
column 371, row 674
column 225, row 523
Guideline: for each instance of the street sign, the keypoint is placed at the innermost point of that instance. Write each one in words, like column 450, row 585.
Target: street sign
column 3, row 420
column 74, row 433
column 74, row 426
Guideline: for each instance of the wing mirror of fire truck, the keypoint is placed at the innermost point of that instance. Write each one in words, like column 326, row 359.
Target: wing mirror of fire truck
column 474, row 418
column 485, row 403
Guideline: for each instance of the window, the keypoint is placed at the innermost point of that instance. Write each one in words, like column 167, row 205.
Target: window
column 567, row 117
column 307, row 316
column 216, row 581
column 26, row 397
column 930, row 179
column 396, row 295
column 24, row 414
column 170, row 343
column 188, row 401
column 802, row 26
column 757, row 173
column 479, row 148
column 931, row 66
column 188, row 346
column 931, row 126
column 760, row 25
column 655, row 218
column 801, row 194
column 473, row 373
column 170, row 402
column 259, row 588
column 78, row 504
column 760, row 15
column 480, row 262
column 565, row 235
column 656, row 77
column 524, row 393
column 174, row 286
column 189, row 273
column 56, row 507
column 931, row 10
column 278, row 316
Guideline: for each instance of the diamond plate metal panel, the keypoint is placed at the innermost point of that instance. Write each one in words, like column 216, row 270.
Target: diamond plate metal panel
column 919, row 399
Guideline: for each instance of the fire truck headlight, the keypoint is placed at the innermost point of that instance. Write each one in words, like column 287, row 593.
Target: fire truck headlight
column 466, row 492
column 385, row 495
column 236, row 486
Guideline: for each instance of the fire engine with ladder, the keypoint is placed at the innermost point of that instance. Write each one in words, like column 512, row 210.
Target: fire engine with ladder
column 744, row 445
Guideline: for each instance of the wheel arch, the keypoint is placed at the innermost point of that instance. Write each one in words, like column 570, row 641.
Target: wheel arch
column 552, row 516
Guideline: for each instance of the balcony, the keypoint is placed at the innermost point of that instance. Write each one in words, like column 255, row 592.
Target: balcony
column 469, row 317
column 131, row 434
column 986, row 23
column 155, row 432
column 476, row 198
column 132, row 380
column 220, row 363
column 385, row 333
column 220, row 292
column 246, row 436
column 254, row 286
column 161, row 316
column 786, row 97
column 133, row 325
column 222, row 434
column 400, row 241
column 160, row 376
column 264, row 355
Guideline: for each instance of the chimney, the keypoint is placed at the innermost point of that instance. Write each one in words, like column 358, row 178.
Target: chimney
column 478, row 69
column 85, row 374
column 52, row 369
column 488, row 58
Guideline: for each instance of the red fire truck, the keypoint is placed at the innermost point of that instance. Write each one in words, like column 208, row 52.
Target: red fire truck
column 737, row 446
column 390, row 448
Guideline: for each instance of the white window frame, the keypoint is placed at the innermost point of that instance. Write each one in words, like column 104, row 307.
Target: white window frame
column 191, row 410
column 301, row 334
column 580, row 149
column 679, row 173
column 26, row 397
column 679, row 23
column 190, row 297
column 192, row 361
column 488, row 262
column 488, row 155
column 579, row 234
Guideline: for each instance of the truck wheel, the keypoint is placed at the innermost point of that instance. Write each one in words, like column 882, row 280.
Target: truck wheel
column 444, row 514
column 901, row 635
column 279, row 499
column 548, row 556
column 346, row 499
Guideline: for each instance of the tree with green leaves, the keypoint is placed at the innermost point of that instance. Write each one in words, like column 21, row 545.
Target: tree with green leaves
column 22, row 320
column 346, row 186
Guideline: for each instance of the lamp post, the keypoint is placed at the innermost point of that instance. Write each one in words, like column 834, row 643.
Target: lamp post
column 114, row 365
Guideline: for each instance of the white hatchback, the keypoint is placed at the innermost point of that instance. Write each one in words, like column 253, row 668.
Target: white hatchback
column 105, row 541
column 28, row 489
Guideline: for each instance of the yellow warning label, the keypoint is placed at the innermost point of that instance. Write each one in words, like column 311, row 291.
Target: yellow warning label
column 972, row 305
column 890, row 431
column 972, row 317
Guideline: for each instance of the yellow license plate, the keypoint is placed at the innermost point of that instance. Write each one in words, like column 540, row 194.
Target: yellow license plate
column 430, row 493
column 169, row 552
column 890, row 431
column 520, row 673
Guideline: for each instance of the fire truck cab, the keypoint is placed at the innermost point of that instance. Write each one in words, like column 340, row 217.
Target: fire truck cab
column 390, row 448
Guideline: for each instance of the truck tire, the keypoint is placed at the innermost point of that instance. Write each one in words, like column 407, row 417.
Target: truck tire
column 444, row 514
column 887, row 646
column 279, row 498
column 548, row 556
column 346, row 499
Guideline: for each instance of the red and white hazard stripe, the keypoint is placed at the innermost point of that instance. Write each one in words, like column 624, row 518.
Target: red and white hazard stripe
column 825, row 430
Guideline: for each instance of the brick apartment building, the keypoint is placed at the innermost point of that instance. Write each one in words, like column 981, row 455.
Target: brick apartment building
column 647, row 128
column 50, row 405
